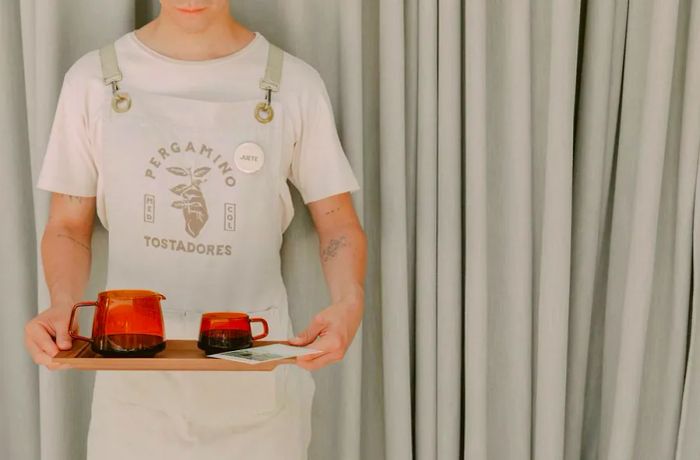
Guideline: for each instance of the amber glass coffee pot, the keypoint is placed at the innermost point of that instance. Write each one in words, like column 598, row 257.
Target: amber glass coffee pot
column 126, row 323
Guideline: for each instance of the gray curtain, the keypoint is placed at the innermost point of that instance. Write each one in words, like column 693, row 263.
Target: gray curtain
column 529, row 174
column 581, row 153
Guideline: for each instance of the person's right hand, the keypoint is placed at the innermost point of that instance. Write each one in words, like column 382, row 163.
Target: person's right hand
column 40, row 332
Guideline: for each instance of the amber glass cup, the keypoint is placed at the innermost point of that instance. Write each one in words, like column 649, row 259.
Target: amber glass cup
column 227, row 331
column 126, row 323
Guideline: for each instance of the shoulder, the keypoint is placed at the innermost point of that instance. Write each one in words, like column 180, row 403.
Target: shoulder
column 84, row 83
column 300, row 77
column 82, row 91
column 86, row 71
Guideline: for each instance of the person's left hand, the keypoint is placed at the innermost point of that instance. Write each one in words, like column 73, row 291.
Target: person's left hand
column 331, row 331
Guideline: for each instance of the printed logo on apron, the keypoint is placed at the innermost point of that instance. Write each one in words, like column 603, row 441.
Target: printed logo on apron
column 192, row 202
column 186, row 182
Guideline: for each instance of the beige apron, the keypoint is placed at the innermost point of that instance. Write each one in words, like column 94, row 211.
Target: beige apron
column 193, row 203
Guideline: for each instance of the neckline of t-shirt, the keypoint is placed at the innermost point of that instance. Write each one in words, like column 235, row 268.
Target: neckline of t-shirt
column 235, row 55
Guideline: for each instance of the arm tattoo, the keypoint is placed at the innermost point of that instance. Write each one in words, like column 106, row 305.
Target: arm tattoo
column 84, row 246
column 333, row 210
column 72, row 198
column 330, row 251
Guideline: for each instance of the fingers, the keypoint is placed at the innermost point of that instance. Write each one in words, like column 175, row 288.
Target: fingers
column 317, row 361
column 41, row 347
column 328, row 343
column 333, row 351
column 40, row 357
column 41, row 338
column 57, row 367
column 63, row 338
column 37, row 354
column 317, row 326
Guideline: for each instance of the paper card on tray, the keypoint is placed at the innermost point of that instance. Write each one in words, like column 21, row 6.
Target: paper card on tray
column 265, row 353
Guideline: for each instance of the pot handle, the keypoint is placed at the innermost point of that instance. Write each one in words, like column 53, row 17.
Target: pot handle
column 72, row 317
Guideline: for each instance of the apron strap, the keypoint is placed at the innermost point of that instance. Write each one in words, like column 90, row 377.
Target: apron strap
column 269, row 83
column 110, row 66
column 273, row 72
column 121, row 101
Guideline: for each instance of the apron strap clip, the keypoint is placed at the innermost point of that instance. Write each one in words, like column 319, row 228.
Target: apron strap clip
column 121, row 101
column 269, row 83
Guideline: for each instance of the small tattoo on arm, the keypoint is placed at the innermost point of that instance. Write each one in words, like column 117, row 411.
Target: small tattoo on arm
column 333, row 210
column 82, row 245
column 72, row 198
column 330, row 251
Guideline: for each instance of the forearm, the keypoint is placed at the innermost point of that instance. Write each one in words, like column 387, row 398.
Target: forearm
column 343, row 252
column 66, row 256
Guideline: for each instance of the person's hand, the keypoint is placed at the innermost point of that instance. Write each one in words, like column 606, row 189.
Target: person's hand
column 39, row 334
column 331, row 332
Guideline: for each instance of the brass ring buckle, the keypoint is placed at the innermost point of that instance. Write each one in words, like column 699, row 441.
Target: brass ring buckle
column 121, row 102
column 264, row 112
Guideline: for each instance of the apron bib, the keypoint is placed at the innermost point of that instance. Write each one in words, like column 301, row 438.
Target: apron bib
column 193, row 204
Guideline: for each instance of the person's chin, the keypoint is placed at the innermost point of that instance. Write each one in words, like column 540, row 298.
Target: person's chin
column 192, row 21
column 193, row 24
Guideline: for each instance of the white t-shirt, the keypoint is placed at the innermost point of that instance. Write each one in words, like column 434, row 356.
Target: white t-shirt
column 318, row 166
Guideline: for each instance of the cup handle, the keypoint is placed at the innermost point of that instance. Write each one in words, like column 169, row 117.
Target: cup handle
column 72, row 317
column 266, row 328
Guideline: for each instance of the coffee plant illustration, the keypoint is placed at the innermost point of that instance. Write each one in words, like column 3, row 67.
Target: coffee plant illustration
column 193, row 205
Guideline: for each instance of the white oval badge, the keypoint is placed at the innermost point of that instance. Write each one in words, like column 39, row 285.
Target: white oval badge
column 249, row 157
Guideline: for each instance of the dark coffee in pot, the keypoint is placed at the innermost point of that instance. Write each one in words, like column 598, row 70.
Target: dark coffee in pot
column 129, row 345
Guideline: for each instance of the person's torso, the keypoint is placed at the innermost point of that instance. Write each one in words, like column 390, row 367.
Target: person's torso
column 193, row 192
column 229, row 79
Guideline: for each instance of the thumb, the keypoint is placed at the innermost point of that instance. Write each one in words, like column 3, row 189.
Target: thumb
column 309, row 335
column 63, row 338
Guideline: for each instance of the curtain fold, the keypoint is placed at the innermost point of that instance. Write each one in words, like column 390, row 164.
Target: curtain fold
column 554, row 98
column 579, row 198
column 685, row 292
column 393, row 231
column 650, row 245
column 598, row 100
column 20, row 384
column 449, row 232
column 499, row 230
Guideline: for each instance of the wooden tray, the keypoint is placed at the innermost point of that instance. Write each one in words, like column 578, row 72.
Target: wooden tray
column 179, row 355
